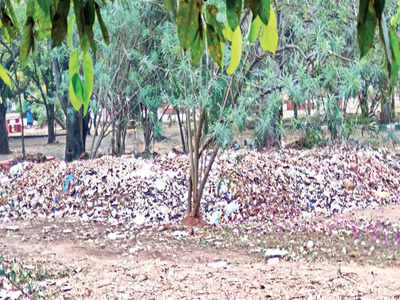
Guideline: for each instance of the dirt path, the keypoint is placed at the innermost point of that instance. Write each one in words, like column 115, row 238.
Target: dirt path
column 94, row 262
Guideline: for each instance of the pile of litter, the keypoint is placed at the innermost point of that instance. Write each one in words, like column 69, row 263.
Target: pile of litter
column 244, row 186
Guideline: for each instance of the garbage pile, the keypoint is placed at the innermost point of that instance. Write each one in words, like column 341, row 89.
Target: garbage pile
column 244, row 186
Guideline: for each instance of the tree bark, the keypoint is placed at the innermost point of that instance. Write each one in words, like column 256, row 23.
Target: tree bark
column 386, row 112
column 363, row 103
column 4, row 146
column 180, row 123
column 51, row 134
column 22, row 127
column 75, row 142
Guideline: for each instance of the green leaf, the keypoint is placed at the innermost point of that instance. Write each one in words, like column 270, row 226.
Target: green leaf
column 9, row 20
column 215, row 38
column 198, row 46
column 59, row 22
column 211, row 19
column 27, row 41
column 42, row 17
column 4, row 76
column 236, row 52
column 11, row 13
column 76, row 99
column 367, row 20
column 394, row 43
column 264, row 11
column 233, row 12
column 187, row 21
column 71, row 20
column 103, row 26
column 89, row 13
column 170, row 6
column 215, row 46
column 89, row 17
column 379, row 7
column 228, row 33
column 88, row 76
column 80, row 24
column 254, row 29
column 76, row 94
column 254, row 5
column 269, row 34
column 73, row 63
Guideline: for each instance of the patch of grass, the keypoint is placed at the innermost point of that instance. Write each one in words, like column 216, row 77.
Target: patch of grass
column 26, row 279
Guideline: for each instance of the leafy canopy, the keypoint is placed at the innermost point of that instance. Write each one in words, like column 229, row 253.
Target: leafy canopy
column 200, row 24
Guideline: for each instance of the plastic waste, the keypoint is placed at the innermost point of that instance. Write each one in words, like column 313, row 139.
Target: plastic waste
column 4, row 180
column 311, row 204
column 67, row 182
column 54, row 209
column 218, row 264
column 218, row 216
column 16, row 170
column 215, row 217
column 231, row 208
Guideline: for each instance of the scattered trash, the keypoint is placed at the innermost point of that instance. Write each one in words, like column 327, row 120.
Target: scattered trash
column 230, row 208
column 273, row 261
column 67, row 182
column 310, row 245
column 275, row 252
column 274, row 185
column 10, row 295
column 115, row 236
column 12, row 228
column 218, row 264
column 4, row 180
column 67, row 288
column 180, row 234
column 215, row 217
column 17, row 170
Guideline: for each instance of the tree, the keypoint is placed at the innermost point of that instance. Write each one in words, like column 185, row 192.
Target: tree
column 42, row 75
column 10, row 63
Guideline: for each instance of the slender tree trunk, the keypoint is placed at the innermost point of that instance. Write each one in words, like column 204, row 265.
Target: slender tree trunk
column 113, row 136
column 393, row 104
column 147, row 137
column 51, row 134
column 4, row 146
column 180, row 124
column 364, row 104
column 21, row 113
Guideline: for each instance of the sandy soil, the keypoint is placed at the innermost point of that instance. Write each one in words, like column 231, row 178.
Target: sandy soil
column 153, row 268
column 134, row 143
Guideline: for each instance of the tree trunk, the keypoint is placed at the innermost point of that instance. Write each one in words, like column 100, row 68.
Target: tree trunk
column 22, row 127
column 180, row 123
column 76, row 135
column 51, row 134
column 386, row 112
column 393, row 105
column 4, row 147
column 295, row 110
column 364, row 104
column 147, row 137
column 74, row 146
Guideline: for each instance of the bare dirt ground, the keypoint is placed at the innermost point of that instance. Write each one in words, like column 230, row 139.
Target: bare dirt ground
column 150, row 264
column 92, row 261
column 134, row 143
